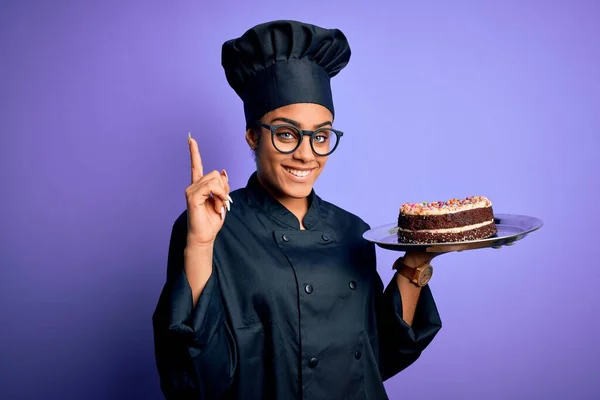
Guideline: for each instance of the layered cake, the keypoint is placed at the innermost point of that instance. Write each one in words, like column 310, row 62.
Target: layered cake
column 455, row 220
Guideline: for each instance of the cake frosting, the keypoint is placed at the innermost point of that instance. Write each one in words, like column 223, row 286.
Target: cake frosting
column 445, row 207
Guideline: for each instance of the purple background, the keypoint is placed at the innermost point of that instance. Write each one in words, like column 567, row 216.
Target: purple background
column 440, row 99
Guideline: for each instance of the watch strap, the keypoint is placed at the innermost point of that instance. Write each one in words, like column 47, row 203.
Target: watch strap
column 406, row 271
column 412, row 273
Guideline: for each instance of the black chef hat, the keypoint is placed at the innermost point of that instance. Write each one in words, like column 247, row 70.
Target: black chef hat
column 284, row 62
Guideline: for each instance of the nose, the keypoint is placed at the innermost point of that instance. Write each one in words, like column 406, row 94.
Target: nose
column 304, row 153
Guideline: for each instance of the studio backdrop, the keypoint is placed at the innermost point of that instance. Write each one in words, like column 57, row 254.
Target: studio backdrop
column 440, row 99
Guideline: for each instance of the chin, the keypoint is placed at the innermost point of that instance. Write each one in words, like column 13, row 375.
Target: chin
column 297, row 191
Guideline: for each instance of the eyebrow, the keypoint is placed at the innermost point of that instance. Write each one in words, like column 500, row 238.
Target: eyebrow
column 296, row 124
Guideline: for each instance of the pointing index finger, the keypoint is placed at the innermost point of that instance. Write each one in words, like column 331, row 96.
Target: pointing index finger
column 197, row 169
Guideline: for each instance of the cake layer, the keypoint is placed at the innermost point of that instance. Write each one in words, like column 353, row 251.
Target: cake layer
column 456, row 229
column 451, row 220
column 453, row 235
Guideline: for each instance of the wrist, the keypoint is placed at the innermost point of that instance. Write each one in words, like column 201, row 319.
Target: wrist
column 192, row 245
column 414, row 267
column 198, row 257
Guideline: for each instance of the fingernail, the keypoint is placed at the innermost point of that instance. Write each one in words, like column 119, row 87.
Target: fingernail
column 229, row 198
column 226, row 176
column 223, row 213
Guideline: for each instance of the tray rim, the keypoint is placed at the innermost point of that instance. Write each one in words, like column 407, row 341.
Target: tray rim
column 492, row 242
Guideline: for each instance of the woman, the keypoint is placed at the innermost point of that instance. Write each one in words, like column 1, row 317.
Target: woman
column 271, row 292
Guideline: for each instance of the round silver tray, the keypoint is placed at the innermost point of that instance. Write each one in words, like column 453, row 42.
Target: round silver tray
column 511, row 228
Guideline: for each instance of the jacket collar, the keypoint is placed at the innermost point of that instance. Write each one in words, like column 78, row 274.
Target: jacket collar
column 261, row 197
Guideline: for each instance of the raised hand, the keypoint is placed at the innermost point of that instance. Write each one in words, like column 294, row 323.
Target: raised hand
column 208, row 201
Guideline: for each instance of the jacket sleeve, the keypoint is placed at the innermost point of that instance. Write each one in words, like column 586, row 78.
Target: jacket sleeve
column 194, row 347
column 401, row 344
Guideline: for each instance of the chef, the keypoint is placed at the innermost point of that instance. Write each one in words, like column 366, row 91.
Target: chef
column 271, row 291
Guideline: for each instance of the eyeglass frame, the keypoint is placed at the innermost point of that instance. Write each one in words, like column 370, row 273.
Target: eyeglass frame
column 302, row 133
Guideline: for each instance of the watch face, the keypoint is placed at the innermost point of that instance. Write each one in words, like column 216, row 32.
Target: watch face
column 425, row 276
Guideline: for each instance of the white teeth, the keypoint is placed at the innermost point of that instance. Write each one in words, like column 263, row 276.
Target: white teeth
column 300, row 174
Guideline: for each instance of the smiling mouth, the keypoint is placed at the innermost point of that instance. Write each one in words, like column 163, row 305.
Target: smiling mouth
column 298, row 173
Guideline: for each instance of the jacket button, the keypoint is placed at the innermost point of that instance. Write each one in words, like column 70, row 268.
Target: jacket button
column 352, row 285
column 285, row 238
column 325, row 237
column 308, row 288
column 358, row 354
column 313, row 362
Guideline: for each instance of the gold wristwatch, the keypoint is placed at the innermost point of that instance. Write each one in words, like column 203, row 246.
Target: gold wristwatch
column 420, row 275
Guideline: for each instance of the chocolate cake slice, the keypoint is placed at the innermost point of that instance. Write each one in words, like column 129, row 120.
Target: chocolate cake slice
column 454, row 220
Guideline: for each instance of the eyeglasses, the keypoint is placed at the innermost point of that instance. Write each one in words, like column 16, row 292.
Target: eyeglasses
column 288, row 138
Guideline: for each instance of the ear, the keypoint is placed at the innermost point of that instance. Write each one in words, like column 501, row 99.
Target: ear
column 251, row 138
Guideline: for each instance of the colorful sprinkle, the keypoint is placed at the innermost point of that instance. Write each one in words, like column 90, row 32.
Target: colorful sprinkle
column 426, row 207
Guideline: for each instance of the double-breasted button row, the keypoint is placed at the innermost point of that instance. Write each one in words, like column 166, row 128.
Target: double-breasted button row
column 324, row 236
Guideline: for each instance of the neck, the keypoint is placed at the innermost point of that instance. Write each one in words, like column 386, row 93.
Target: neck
column 298, row 207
